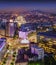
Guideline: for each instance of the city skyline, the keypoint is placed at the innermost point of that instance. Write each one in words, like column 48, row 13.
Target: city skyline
column 20, row 6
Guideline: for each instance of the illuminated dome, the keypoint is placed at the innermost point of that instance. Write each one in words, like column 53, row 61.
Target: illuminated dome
column 25, row 41
column 20, row 20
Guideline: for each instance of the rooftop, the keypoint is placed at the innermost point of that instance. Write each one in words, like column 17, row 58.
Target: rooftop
column 50, row 34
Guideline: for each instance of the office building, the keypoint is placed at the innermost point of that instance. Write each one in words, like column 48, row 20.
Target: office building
column 22, row 34
column 10, row 29
column 2, row 47
column 37, row 50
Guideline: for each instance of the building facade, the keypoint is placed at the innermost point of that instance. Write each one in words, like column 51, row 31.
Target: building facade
column 10, row 29
column 2, row 48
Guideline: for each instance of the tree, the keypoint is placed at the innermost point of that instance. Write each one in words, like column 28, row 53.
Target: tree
column 12, row 63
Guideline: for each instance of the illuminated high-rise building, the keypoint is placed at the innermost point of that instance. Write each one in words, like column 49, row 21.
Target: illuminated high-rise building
column 10, row 29
column 2, row 47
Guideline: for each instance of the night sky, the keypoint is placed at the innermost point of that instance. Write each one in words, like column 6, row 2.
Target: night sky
column 44, row 5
